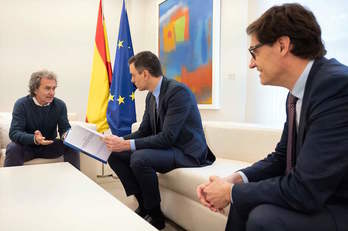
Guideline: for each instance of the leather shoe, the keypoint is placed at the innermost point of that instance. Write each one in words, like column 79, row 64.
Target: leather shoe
column 157, row 221
column 141, row 212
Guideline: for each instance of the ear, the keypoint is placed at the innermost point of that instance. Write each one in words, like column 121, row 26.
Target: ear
column 284, row 45
column 146, row 74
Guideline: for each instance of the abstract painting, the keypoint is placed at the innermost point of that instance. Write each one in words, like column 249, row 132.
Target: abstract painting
column 188, row 46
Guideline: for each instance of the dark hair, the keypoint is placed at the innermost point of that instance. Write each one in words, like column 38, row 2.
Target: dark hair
column 35, row 80
column 146, row 60
column 294, row 21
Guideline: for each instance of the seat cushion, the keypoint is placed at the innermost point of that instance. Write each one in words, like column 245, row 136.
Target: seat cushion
column 241, row 141
column 2, row 157
column 5, row 122
column 185, row 180
column 44, row 161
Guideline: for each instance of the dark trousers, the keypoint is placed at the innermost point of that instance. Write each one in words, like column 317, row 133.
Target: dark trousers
column 274, row 218
column 137, row 171
column 17, row 154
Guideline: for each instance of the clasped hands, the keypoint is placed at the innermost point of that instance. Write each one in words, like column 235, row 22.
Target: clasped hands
column 116, row 144
column 215, row 194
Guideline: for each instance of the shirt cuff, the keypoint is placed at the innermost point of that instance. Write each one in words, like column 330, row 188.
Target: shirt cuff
column 62, row 137
column 231, row 194
column 245, row 180
column 132, row 145
column 244, row 177
column 35, row 141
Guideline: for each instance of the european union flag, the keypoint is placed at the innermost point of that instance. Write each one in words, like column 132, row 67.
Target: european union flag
column 121, row 106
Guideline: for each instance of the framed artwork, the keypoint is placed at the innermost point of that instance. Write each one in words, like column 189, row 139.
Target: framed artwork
column 188, row 46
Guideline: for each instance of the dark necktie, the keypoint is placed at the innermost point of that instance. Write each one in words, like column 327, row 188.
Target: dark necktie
column 290, row 154
column 155, row 114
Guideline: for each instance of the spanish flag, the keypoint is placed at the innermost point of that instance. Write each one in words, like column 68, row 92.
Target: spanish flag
column 101, row 77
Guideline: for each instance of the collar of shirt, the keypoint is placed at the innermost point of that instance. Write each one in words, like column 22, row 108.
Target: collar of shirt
column 300, row 84
column 299, row 88
column 157, row 90
column 38, row 104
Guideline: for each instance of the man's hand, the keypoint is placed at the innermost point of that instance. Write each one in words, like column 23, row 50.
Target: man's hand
column 218, row 193
column 202, row 195
column 41, row 140
column 116, row 144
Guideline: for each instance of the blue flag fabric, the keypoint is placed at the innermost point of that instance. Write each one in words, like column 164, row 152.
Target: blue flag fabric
column 121, row 106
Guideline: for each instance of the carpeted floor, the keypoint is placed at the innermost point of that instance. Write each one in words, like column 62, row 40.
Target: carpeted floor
column 114, row 187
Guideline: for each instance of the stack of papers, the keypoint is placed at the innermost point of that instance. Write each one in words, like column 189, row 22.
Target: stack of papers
column 87, row 141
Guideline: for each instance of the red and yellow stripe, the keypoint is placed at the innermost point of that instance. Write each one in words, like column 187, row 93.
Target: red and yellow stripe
column 100, row 78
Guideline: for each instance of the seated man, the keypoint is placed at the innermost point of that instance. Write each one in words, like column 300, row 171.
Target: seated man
column 170, row 136
column 34, row 123
column 303, row 184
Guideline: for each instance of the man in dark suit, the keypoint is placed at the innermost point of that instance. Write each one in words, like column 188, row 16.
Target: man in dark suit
column 303, row 184
column 170, row 136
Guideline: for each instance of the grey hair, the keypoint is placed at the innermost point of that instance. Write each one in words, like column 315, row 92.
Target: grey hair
column 36, row 77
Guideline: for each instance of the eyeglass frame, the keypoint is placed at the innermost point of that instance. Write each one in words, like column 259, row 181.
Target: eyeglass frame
column 253, row 48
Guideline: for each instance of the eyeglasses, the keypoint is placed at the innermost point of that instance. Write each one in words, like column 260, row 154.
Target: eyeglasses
column 253, row 48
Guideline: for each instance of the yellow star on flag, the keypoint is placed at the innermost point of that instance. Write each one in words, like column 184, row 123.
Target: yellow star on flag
column 111, row 97
column 120, row 44
column 120, row 100
column 132, row 96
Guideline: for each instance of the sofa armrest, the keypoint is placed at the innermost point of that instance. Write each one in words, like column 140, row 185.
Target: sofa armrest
column 5, row 122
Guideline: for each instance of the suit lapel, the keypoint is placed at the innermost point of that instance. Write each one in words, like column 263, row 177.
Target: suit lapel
column 163, row 90
column 305, row 104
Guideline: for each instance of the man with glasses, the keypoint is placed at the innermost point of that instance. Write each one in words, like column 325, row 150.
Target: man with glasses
column 303, row 184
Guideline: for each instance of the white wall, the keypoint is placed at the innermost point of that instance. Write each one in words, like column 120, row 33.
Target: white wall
column 59, row 36
column 264, row 104
column 233, row 57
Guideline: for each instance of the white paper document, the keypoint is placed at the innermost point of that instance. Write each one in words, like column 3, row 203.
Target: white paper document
column 87, row 141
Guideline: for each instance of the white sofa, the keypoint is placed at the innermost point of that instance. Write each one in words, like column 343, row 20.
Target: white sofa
column 88, row 166
column 235, row 145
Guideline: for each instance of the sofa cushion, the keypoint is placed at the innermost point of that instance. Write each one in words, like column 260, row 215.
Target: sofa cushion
column 44, row 161
column 241, row 141
column 5, row 122
column 2, row 157
column 185, row 180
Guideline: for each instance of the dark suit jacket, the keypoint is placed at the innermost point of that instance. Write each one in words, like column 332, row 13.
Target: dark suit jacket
column 179, row 125
column 319, row 179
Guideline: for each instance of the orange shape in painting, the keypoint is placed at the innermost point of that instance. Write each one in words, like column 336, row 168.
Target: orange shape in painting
column 199, row 81
column 168, row 37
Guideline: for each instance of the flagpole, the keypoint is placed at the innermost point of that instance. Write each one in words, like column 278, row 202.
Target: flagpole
column 103, row 171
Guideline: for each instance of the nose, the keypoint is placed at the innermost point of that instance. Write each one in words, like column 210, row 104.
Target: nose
column 132, row 79
column 252, row 63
